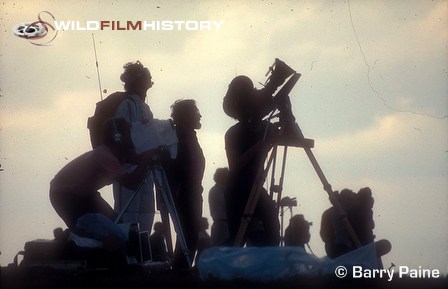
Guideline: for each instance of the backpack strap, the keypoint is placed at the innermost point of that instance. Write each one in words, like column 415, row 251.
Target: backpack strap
column 131, row 113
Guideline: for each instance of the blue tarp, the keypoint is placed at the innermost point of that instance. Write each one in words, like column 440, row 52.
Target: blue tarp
column 98, row 227
column 275, row 263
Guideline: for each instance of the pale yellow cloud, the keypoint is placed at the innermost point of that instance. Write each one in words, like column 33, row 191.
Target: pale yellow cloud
column 389, row 134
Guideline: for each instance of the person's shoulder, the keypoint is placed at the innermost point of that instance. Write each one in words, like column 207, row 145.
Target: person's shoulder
column 129, row 97
column 213, row 190
column 234, row 129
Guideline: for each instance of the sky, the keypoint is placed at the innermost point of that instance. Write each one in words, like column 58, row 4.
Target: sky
column 373, row 95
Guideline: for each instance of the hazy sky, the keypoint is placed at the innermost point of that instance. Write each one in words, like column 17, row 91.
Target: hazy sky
column 373, row 95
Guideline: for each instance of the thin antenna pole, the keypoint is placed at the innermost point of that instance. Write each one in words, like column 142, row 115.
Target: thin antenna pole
column 97, row 68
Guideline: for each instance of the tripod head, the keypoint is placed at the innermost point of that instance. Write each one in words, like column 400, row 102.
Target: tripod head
column 160, row 154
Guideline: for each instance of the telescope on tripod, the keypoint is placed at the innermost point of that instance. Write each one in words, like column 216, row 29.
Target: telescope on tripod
column 287, row 134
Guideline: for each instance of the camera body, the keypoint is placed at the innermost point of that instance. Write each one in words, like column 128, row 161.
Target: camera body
column 289, row 132
column 277, row 74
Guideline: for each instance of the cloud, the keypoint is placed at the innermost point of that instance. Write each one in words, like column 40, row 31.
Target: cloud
column 379, row 137
column 391, row 141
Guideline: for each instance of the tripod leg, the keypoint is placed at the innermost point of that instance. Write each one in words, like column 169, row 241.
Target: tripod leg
column 117, row 219
column 272, row 189
column 282, row 177
column 162, row 182
column 282, row 235
column 164, row 215
column 252, row 202
column 327, row 187
column 334, row 200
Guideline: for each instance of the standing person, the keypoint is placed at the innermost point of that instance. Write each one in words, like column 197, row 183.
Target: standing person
column 137, row 81
column 247, row 148
column 74, row 189
column 217, row 203
column 185, row 176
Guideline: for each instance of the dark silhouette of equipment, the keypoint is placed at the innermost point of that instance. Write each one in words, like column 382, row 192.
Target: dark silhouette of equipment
column 289, row 203
column 289, row 134
column 169, row 209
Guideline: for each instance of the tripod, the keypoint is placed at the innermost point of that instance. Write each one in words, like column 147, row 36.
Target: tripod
column 168, row 210
column 258, row 184
column 297, row 140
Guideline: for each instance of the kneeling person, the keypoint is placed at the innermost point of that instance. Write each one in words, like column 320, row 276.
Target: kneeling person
column 74, row 189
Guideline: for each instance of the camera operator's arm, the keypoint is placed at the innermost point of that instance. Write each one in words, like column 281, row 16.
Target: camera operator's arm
column 238, row 162
column 238, row 158
column 133, row 179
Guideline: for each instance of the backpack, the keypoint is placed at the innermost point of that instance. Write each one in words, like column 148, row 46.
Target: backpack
column 104, row 110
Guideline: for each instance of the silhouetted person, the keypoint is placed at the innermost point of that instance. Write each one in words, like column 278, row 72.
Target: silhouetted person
column 338, row 242
column 61, row 235
column 74, row 189
column 137, row 81
column 327, row 232
column 256, row 234
column 185, row 175
column 158, row 243
column 361, row 216
column 217, row 203
column 358, row 209
column 205, row 241
column 246, row 149
column 298, row 232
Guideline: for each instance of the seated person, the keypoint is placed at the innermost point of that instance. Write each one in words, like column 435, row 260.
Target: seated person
column 359, row 211
column 335, row 236
column 204, row 241
column 298, row 232
column 158, row 243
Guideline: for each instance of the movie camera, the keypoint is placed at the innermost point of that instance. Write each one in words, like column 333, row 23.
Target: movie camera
column 160, row 154
column 280, row 74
